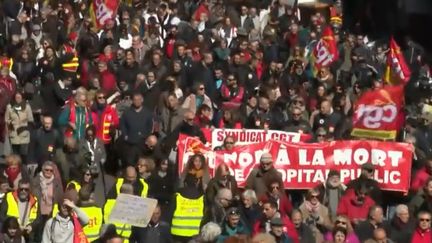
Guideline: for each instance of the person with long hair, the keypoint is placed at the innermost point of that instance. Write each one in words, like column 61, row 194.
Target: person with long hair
column 11, row 232
column 19, row 118
column 197, row 167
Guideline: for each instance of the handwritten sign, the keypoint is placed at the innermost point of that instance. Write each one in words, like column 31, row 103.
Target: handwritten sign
column 132, row 210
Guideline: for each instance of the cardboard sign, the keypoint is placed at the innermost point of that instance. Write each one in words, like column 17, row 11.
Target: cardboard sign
column 133, row 210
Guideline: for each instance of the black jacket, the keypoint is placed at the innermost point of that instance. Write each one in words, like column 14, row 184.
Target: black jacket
column 136, row 126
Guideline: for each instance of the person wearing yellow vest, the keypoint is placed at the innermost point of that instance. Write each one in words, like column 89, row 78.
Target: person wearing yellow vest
column 22, row 205
column 189, row 210
column 124, row 230
column 87, row 205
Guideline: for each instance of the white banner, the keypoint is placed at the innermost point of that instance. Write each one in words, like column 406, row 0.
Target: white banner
column 248, row 136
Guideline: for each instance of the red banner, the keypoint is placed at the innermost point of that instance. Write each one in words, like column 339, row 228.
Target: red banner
column 378, row 113
column 103, row 10
column 305, row 165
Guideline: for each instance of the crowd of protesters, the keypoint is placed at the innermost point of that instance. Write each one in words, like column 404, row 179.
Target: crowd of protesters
column 87, row 114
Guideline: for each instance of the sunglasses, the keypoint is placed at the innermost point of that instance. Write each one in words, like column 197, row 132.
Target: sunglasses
column 24, row 189
column 425, row 220
column 314, row 196
column 101, row 97
column 340, row 222
column 48, row 170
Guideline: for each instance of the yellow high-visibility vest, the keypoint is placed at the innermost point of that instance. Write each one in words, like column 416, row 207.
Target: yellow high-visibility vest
column 143, row 192
column 124, row 230
column 187, row 216
column 13, row 210
column 91, row 230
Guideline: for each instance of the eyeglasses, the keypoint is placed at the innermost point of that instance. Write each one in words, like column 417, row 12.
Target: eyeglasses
column 424, row 220
column 340, row 222
column 48, row 170
column 101, row 97
column 234, row 212
column 24, row 189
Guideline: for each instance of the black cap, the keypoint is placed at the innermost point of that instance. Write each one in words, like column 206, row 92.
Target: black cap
column 276, row 222
column 368, row 166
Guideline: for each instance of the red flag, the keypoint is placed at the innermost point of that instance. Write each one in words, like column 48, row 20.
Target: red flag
column 397, row 70
column 103, row 10
column 79, row 236
column 325, row 51
column 378, row 113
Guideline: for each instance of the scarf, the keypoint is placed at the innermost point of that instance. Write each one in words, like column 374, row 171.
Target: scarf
column 45, row 183
column 312, row 208
column 197, row 173
column 12, row 173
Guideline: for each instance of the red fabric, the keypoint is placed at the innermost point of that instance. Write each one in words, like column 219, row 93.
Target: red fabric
column 108, row 82
column 231, row 102
column 292, row 39
column 348, row 208
column 285, row 205
column 396, row 62
column 12, row 173
column 201, row 9
column 420, row 178
column 85, row 72
column 79, row 236
column 202, row 121
column 421, row 237
column 169, row 48
column 109, row 115
column 259, row 69
column 9, row 84
column 288, row 228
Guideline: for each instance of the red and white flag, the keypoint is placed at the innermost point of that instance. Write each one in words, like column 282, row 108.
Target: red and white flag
column 325, row 51
column 103, row 10
column 397, row 70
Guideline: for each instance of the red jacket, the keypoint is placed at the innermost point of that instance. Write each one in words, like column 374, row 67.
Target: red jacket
column 231, row 102
column 103, row 122
column 9, row 84
column 421, row 237
column 420, row 178
column 285, row 206
column 288, row 228
column 108, row 82
column 349, row 208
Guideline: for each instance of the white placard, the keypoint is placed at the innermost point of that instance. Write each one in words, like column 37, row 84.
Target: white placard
column 133, row 210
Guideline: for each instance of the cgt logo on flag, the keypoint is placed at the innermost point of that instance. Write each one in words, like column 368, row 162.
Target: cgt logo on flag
column 378, row 113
